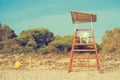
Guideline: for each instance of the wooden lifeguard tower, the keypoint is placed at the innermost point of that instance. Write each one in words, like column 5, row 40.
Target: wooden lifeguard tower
column 83, row 42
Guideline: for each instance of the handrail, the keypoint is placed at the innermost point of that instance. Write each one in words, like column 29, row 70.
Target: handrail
column 84, row 29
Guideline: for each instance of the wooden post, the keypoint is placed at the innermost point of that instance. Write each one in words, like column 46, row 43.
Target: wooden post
column 30, row 61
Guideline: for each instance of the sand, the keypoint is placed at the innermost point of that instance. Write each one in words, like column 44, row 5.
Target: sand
column 55, row 68
column 57, row 75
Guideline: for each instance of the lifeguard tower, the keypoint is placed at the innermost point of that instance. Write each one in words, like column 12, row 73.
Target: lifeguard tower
column 83, row 43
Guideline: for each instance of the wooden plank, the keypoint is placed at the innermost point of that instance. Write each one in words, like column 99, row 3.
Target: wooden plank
column 84, row 44
column 84, row 50
column 84, row 65
column 88, row 36
column 79, row 17
column 84, row 58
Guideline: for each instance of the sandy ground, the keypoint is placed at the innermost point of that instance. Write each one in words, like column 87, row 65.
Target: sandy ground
column 57, row 75
column 55, row 68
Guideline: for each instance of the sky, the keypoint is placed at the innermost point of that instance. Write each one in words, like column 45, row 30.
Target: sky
column 55, row 15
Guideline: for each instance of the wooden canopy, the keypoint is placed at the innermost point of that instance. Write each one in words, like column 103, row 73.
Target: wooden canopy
column 78, row 17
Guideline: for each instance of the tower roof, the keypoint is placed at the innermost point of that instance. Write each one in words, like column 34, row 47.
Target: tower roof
column 79, row 17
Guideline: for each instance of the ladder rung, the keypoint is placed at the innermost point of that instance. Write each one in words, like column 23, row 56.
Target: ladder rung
column 84, row 65
column 85, row 50
column 88, row 37
column 84, row 44
column 84, row 58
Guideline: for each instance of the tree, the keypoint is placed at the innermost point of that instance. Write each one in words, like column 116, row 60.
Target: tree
column 110, row 41
column 7, row 38
column 0, row 24
column 35, row 38
column 6, row 32
column 63, row 43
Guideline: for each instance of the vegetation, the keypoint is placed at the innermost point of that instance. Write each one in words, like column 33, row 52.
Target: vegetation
column 43, row 41
column 6, row 33
column 111, row 42
column 38, row 40
column 63, row 44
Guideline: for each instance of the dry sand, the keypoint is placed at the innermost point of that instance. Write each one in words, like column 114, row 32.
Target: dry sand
column 55, row 68
column 57, row 75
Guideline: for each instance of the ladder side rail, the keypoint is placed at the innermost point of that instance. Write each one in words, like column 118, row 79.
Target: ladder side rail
column 72, row 51
column 97, row 57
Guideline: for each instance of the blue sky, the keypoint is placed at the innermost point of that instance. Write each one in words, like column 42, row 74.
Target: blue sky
column 55, row 15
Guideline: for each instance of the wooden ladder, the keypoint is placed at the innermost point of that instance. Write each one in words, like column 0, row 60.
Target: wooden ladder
column 85, row 50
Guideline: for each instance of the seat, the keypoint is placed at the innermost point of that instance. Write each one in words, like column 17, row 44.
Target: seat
column 84, row 36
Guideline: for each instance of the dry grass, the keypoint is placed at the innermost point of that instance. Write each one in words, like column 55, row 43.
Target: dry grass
column 37, row 61
column 54, row 67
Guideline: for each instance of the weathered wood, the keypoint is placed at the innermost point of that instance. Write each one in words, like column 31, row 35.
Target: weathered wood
column 78, row 17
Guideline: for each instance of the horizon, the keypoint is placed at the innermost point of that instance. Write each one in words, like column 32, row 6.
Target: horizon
column 55, row 15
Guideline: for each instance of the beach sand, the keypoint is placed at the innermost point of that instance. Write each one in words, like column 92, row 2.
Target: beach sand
column 55, row 68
